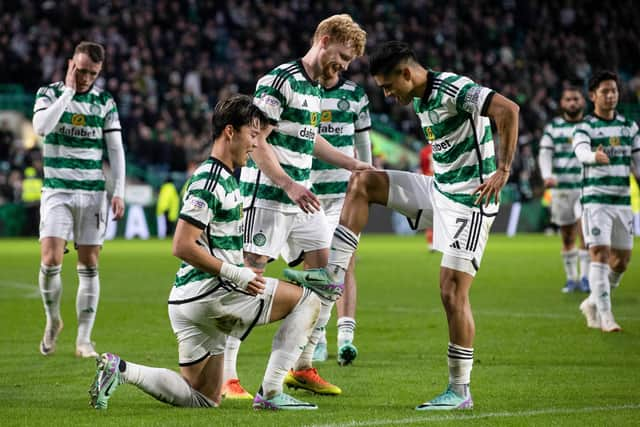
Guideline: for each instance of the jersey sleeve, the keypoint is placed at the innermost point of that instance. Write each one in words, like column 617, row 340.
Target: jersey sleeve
column 546, row 142
column 363, row 119
column 112, row 119
column 44, row 98
column 581, row 135
column 197, row 208
column 271, row 96
column 473, row 98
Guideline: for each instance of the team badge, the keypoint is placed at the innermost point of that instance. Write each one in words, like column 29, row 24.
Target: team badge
column 259, row 239
column 595, row 231
column 625, row 132
column 343, row 105
column 95, row 110
column 78, row 120
column 434, row 116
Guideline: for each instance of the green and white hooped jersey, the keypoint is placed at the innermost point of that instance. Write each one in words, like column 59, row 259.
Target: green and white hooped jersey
column 211, row 202
column 345, row 111
column 291, row 100
column 567, row 169
column 608, row 184
column 73, row 150
column 452, row 115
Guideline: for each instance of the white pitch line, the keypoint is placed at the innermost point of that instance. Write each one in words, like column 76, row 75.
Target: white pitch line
column 34, row 291
column 427, row 418
column 499, row 313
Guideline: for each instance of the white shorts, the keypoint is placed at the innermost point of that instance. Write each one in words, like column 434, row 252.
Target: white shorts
column 566, row 208
column 201, row 326
column 458, row 230
column 267, row 232
column 332, row 209
column 608, row 226
column 80, row 214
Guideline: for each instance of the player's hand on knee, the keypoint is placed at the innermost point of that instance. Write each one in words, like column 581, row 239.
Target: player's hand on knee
column 242, row 277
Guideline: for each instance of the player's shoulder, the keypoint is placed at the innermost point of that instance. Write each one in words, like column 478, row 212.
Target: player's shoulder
column 101, row 94
column 55, row 88
column 449, row 80
column 624, row 121
column 354, row 87
column 285, row 72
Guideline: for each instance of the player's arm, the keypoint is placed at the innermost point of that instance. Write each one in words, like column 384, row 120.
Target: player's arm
column 115, row 152
column 545, row 160
column 186, row 248
column 47, row 114
column 112, row 132
column 268, row 163
column 582, row 147
column 504, row 113
column 323, row 150
column 362, row 139
column 635, row 152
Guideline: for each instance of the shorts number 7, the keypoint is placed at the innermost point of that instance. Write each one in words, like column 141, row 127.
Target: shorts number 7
column 464, row 222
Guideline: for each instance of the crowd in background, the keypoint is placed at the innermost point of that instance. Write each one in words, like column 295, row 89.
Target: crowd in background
column 168, row 62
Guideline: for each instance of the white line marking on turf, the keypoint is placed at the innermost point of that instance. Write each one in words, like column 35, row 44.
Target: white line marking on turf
column 34, row 291
column 499, row 313
column 427, row 418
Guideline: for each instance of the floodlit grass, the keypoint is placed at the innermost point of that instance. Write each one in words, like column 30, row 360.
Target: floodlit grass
column 536, row 361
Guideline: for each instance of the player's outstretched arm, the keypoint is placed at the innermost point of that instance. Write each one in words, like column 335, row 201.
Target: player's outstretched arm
column 505, row 114
column 186, row 248
column 323, row 150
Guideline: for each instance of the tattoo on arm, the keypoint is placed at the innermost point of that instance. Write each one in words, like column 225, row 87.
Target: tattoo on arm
column 257, row 263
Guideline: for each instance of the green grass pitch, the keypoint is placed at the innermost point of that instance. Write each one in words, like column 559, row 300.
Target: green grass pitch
column 536, row 361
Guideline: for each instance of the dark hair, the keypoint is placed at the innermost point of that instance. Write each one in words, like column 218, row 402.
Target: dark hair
column 600, row 77
column 386, row 56
column 236, row 111
column 94, row 50
column 571, row 88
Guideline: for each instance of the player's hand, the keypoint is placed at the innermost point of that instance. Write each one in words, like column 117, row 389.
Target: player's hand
column 70, row 78
column 601, row 156
column 302, row 197
column 362, row 166
column 256, row 286
column 117, row 207
column 490, row 189
column 550, row 182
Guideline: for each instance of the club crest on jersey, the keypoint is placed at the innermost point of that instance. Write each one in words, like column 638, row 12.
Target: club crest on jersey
column 626, row 133
column 343, row 105
column 434, row 116
column 95, row 110
column 595, row 231
column 326, row 116
column 259, row 239
column 78, row 120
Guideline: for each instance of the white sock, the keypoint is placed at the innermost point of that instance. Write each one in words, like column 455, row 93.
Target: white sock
column 600, row 289
column 570, row 261
column 231, row 349
column 346, row 329
column 585, row 259
column 615, row 278
column 343, row 245
column 87, row 301
column 165, row 385
column 51, row 291
column 289, row 341
column 460, row 360
column 305, row 360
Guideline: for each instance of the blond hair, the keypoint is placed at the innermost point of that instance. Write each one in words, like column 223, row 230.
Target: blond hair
column 342, row 28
